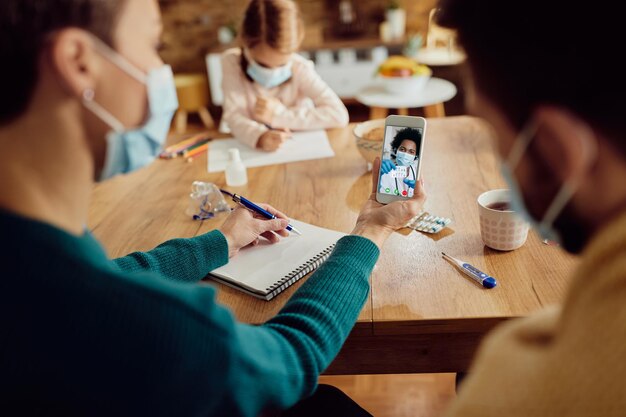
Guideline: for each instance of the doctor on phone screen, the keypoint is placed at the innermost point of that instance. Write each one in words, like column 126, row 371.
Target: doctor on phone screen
column 399, row 173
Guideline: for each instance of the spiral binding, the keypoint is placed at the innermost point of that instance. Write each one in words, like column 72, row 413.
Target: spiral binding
column 309, row 266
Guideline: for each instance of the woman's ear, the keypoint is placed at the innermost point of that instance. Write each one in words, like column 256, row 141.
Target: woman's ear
column 74, row 59
column 565, row 142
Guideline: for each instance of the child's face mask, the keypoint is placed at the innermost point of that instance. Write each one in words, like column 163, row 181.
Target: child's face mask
column 268, row 77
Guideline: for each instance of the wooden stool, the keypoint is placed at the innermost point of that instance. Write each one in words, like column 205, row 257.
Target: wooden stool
column 433, row 110
column 193, row 97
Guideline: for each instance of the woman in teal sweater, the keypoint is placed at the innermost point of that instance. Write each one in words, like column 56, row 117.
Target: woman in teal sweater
column 82, row 334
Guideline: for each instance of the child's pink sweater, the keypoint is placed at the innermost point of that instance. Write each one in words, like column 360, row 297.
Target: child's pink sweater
column 296, row 95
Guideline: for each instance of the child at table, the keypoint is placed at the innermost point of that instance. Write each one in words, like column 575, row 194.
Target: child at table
column 269, row 89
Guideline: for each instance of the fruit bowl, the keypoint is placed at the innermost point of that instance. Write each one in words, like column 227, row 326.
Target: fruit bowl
column 369, row 139
column 401, row 75
column 404, row 85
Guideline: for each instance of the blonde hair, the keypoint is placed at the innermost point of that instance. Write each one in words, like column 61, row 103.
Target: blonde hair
column 277, row 23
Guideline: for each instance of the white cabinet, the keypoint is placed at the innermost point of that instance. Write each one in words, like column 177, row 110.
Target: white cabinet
column 347, row 79
column 345, row 70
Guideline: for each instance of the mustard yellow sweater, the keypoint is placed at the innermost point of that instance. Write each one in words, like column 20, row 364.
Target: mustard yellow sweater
column 568, row 361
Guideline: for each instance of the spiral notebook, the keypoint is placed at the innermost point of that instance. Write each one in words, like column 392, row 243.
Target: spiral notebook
column 266, row 270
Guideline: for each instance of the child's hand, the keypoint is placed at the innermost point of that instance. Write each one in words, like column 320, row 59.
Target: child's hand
column 264, row 109
column 273, row 139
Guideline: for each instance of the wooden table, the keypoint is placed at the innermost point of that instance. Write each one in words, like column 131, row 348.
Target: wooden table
column 422, row 314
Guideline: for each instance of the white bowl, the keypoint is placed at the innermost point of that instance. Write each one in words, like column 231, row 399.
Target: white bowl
column 404, row 85
column 368, row 148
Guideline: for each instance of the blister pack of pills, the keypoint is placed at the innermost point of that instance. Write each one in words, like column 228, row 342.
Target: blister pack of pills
column 428, row 223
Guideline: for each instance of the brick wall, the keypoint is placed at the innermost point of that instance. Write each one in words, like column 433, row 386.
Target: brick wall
column 191, row 25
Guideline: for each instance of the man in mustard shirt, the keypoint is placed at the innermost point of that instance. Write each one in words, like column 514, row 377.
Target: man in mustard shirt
column 540, row 73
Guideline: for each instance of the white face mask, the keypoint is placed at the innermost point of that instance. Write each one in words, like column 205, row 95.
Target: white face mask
column 404, row 158
column 545, row 226
column 268, row 77
column 128, row 150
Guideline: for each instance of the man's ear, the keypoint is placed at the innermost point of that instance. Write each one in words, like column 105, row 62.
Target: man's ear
column 75, row 60
column 565, row 142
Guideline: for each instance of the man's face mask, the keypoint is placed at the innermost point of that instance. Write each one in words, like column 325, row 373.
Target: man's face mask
column 128, row 150
column 545, row 226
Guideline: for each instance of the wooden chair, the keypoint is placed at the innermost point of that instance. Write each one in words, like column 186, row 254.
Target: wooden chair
column 438, row 36
column 193, row 97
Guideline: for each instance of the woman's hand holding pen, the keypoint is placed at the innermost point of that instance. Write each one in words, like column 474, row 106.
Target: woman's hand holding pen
column 243, row 228
column 377, row 221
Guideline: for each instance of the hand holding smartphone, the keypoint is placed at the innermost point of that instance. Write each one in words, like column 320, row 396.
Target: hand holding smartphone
column 401, row 158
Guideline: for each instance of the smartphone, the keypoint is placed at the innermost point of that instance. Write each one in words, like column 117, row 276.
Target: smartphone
column 401, row 158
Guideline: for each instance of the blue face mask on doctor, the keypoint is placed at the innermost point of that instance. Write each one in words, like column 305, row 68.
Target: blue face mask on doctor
column 404, row 159
column 268, row 77
column 128, row 150
column 545, row 226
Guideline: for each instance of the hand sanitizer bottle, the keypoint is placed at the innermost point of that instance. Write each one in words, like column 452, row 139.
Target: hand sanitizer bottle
column 236, row 174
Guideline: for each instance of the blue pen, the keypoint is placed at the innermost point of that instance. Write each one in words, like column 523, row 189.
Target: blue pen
column 474, row 273
column 258, row 209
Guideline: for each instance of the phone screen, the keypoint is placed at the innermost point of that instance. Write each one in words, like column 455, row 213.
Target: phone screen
column 399, row 168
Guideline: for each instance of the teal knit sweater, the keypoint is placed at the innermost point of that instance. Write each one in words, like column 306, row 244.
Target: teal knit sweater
column 81, row 334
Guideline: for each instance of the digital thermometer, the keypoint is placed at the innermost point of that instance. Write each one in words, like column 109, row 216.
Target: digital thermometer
column 473, row 272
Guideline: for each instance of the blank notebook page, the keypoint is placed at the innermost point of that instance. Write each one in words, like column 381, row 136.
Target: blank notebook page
column 302, row 146
column 267, row 269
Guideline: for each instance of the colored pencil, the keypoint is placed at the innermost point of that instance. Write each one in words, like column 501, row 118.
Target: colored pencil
column 193, row 147
column 181, row 145
column 177, row 149
column 196, row 151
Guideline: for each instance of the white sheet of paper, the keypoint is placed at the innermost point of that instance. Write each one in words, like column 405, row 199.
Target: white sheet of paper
column 303, row 146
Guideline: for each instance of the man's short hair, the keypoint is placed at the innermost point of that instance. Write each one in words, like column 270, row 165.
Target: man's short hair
column 524, row 54
column 25, row 27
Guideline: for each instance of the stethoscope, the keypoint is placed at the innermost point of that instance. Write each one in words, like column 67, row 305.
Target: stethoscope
column 412, row 170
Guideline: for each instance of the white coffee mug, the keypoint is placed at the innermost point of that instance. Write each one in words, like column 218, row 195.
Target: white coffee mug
column 501, row 229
